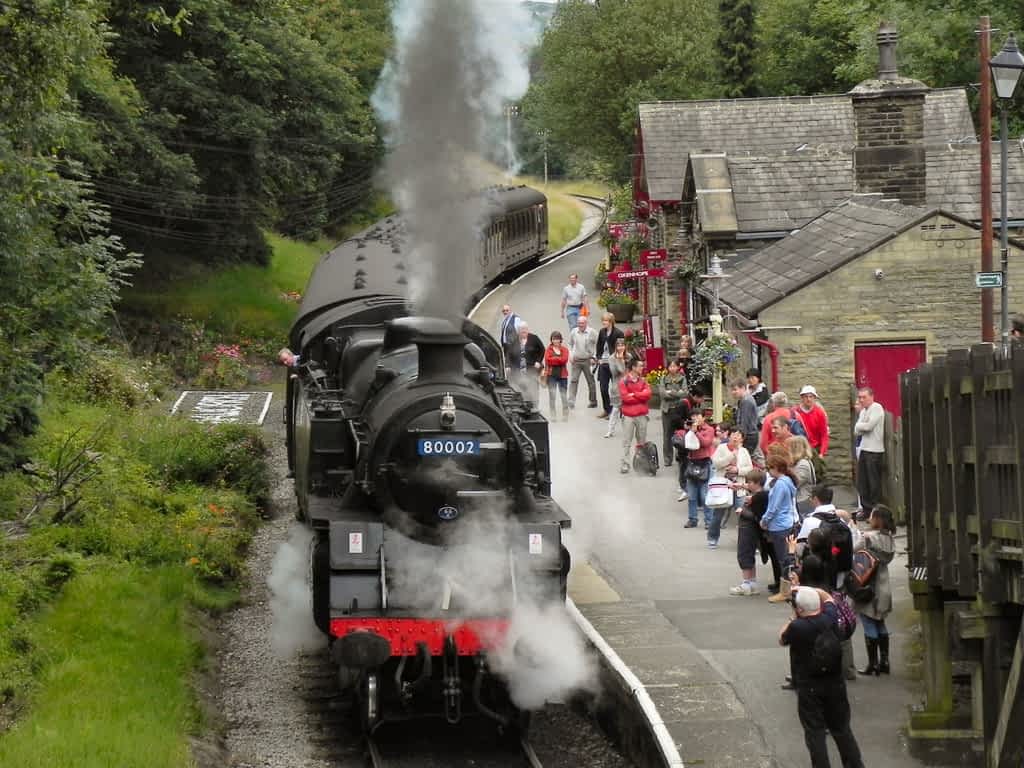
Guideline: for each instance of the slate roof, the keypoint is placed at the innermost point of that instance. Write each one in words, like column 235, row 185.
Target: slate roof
column 954, row 180
column 847, row 231
column 769, row 126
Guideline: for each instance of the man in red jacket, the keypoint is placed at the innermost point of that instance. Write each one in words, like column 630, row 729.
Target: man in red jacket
column 777, row 406
column 814, row 419
column 635, row 393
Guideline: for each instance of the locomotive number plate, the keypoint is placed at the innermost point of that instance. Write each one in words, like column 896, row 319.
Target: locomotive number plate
column 447, row 446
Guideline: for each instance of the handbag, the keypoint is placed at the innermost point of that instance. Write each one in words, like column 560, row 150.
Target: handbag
column 698, row 471
column 690, row 441
column 719, row 493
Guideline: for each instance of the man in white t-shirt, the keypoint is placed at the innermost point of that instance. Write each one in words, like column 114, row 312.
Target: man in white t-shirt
column 574, row 297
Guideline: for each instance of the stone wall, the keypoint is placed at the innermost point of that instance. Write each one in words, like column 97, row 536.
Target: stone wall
column 927, row 294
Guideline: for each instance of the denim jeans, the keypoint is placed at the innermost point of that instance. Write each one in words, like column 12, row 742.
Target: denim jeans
column 572, row 315
column 873, row 628
column 781, row 547
column 697, row 491
column 715, row 529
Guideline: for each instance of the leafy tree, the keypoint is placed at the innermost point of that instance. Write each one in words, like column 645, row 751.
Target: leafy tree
column 60, row 269
column 245, row 118
column 596, row 62
column 736, row 47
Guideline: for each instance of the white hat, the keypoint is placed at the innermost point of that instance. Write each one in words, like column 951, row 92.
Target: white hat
column 808, row 390
column 806, row 601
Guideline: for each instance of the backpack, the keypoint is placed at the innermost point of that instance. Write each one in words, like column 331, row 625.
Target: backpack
column 846, row 617
column 827, row 654
column 796, row 426
column 839, row 538
column 860, row 578
column 820, row 467
column 645, row 460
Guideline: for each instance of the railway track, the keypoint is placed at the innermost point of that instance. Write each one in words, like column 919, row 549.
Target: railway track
column 498, row 754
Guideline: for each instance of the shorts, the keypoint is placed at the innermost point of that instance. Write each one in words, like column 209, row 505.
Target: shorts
column 747, row 539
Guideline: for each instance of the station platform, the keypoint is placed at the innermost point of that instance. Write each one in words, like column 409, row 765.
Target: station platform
column 659, row 597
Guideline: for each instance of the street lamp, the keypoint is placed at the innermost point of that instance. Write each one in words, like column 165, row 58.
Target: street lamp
column 714, row 275
column 1006, row 66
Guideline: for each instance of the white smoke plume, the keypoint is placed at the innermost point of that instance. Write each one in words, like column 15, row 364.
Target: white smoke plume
column 543, row 656
column 291, row 602
column 455, row 66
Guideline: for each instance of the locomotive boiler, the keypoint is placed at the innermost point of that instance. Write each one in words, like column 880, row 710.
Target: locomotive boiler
column 425, row 478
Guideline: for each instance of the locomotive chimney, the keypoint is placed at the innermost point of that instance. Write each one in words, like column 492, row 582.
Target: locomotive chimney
column 439, row 344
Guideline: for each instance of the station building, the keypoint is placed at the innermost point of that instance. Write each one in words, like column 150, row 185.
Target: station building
column 849, row 226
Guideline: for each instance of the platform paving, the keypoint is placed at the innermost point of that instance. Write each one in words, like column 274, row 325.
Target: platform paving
column 659, row 596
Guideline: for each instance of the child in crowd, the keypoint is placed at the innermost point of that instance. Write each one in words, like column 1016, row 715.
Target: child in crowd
column 748, row 534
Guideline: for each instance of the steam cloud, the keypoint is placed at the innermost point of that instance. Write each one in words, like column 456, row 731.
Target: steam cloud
column 543, row 656
column 456, row 63
column 291, row 602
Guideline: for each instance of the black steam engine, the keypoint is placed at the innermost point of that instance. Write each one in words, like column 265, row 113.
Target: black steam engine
column 425, row 479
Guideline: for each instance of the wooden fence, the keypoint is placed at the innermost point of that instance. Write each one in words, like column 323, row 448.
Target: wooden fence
column 963, row 488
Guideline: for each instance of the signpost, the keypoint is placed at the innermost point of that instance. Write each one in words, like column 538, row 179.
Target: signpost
column 988, row 279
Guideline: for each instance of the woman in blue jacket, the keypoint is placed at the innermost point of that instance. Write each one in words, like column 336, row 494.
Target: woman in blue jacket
column 779, row 519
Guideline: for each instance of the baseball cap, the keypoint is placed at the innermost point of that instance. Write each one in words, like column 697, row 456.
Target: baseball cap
column 806, row 601
column 808, row 390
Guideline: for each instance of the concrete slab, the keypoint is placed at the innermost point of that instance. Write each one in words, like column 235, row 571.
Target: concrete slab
column 670, row 665
column 724, row 744
column 708, row 701
column 586, row 586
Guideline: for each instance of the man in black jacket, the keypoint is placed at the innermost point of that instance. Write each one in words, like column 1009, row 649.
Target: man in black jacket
column 525, row 361
column 606, row 339
column 821, row 690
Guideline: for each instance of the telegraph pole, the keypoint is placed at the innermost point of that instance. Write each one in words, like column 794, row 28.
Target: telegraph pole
column 511, row 110
column 985, row 115
column 544, row 142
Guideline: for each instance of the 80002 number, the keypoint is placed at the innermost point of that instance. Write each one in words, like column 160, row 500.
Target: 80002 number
column 437, row 447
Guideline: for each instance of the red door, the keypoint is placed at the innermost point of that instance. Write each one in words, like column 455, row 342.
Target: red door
column 879, row 365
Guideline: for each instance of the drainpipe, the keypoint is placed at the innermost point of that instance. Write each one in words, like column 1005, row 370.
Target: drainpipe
column 773, row 353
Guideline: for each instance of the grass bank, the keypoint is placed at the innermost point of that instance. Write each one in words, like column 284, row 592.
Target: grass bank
column 120, row 525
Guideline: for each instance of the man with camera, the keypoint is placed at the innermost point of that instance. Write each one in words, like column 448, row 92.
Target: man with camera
column 815, row 657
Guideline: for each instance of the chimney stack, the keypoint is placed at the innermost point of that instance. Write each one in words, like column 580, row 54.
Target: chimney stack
column 888, row 111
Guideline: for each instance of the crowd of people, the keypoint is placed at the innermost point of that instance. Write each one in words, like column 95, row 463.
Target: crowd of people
column 765, row 468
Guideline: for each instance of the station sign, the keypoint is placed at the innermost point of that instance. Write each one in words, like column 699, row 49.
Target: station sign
column 988, row 279
column 653, row 254
column 636, row 273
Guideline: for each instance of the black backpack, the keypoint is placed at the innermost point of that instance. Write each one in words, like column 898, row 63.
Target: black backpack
column 827, row 654
column 839, row 538
column 645, row 460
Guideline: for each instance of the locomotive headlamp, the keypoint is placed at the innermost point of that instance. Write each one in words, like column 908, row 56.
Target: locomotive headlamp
column 447, row 417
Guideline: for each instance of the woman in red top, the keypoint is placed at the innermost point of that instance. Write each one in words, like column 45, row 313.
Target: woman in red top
column 698, row 468
column 556, row 373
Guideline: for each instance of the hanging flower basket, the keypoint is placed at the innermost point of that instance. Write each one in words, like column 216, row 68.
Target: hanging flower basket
column 711, row 357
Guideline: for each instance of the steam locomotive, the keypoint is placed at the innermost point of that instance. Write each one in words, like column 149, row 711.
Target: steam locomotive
column 425, row 478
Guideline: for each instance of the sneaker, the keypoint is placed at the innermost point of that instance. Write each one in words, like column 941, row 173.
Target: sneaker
column 624, row 468
column 591, row 405
column 683, row 496
column 690, row 524
column 746, row 589
column 602, row 415
column 609, row 434
column 712, row 545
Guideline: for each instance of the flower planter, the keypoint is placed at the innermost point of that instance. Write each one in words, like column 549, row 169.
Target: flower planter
column 623, row 312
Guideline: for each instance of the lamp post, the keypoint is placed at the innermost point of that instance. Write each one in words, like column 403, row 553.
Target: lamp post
column 1006, row 67
column 714, row 275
